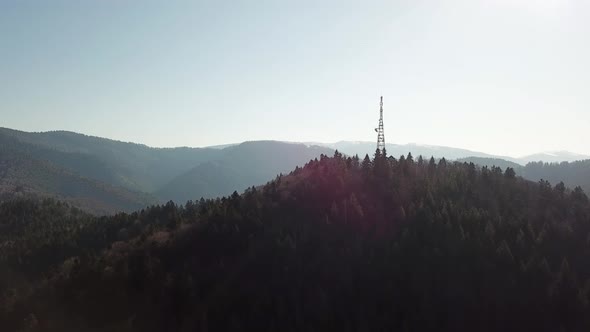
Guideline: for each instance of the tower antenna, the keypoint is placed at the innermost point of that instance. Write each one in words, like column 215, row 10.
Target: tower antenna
column 380, row 132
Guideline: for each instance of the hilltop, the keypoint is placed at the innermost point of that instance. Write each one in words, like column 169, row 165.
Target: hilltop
column 379, row 243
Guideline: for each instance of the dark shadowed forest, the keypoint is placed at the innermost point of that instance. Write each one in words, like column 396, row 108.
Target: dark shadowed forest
column 342, row 244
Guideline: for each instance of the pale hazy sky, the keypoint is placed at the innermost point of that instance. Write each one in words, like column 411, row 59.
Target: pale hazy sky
column 508, row 77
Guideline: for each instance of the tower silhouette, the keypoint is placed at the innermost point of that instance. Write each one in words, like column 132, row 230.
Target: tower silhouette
column 380, row 132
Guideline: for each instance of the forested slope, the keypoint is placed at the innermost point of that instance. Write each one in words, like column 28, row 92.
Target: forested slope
column 133, row 166
column 137, row 170
column 572, row 174
column 27, row 170
column 575, row 173
column 341, row 244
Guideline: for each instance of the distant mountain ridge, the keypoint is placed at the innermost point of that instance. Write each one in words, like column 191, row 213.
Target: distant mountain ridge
column 134, row 166
column 553, row 157
column 105, row 176
column 61, row 163
column 242, row 166
column 363, row 147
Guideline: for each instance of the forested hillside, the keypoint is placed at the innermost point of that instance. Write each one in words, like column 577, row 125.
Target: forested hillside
column 27, row 170
column 573, row 174
column 341, row 244
column 57, row 164
column 107, row 176
column 491, row 162
column 133, row 166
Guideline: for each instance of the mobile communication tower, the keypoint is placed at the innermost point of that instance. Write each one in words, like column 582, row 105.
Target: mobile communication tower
column 380, row 132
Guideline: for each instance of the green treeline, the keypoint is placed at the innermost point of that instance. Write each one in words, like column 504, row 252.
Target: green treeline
column 342, row 244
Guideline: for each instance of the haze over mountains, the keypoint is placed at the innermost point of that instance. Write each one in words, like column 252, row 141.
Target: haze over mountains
column 362, row 147
column 105, row 176
column 239, row 167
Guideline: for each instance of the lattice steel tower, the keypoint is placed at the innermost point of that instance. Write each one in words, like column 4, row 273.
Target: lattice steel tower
column 380, row 133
